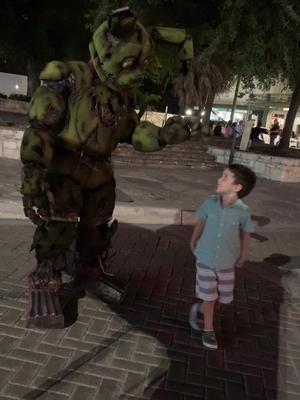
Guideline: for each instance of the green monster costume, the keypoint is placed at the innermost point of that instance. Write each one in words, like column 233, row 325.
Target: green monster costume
column 77, row 117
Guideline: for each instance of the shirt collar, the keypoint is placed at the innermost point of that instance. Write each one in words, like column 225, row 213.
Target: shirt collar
column 238, row 203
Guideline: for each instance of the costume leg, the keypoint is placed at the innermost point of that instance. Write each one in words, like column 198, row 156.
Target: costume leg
column 94, row 241
column 51, row 243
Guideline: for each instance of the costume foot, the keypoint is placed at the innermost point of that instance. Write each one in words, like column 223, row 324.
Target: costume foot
column 101, row 284
column 53, row 309
column 45, row 310
column 107, row 288
column 48, row 310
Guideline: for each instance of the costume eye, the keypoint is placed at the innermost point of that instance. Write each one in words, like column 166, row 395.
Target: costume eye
column 128, row 63
column 146, row 61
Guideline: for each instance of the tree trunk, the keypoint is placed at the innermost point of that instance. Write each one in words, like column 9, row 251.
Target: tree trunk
column 33, row 71
column 290, row 118
column 141, row 112
column 208, row 108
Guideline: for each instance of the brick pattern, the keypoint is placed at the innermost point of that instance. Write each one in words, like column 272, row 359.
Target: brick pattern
column 145, row 349
column 190, row 154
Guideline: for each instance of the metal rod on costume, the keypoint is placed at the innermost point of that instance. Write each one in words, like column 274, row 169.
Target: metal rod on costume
column 102, row 267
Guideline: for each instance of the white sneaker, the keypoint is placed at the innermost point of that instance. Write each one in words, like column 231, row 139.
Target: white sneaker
column 196, row 316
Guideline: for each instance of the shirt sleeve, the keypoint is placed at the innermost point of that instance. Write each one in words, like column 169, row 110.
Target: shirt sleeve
column 246, row 224
column 201, row 212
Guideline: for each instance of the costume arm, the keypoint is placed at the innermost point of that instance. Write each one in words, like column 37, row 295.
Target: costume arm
column 175, row 36
column 46, row 114
column 148, row 137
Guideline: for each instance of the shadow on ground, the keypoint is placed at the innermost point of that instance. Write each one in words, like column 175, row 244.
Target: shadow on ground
column 146, row 348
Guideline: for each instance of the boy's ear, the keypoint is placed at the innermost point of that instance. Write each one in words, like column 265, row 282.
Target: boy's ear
column 238, row 187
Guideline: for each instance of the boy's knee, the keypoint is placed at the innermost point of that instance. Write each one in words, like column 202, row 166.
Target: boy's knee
column 225, row 300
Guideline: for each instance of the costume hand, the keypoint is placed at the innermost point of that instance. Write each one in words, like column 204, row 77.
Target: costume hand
column 33, row 209
column 240, row 262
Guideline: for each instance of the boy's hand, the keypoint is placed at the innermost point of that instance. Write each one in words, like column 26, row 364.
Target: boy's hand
column 192, row 245
column 240, row 262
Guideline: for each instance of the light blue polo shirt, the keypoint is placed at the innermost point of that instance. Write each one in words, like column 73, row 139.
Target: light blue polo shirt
column 219, row 245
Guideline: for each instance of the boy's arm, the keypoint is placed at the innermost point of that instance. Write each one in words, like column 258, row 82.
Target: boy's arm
column 197, row 232
column 245, row 240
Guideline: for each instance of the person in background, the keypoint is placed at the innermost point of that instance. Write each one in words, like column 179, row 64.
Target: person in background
column 274, row 132
column 228, row 130
column 240, row 128
column 218, row 129
column 256, row 133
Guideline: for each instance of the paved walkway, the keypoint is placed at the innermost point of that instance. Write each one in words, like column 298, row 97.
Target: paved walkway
column 145, row 349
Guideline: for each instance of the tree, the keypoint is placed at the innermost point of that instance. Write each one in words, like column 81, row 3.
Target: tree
column 207, row 76
column 256, row 41
column 33, row 33
column 262, row 44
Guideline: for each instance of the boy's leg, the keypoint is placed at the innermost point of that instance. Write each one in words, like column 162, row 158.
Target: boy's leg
column 208, row 312
column 226, row 280
column 196, row 316
column 206, row 290
column 209, row 339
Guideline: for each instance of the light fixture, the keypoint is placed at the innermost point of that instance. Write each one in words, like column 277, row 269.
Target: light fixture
column 17, row 87
column 188, row 112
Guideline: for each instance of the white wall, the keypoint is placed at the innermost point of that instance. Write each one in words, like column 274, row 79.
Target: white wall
column 12, row 84
column 227, row 97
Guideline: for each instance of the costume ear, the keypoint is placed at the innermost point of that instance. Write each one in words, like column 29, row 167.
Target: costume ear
column 122, row 22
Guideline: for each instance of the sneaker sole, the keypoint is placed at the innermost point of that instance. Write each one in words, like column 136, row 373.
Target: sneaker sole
column 210, row 346
column 193, row 323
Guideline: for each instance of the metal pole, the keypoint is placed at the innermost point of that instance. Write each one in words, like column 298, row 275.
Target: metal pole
column 231, row 155
column 235, row 98
column 165, row 117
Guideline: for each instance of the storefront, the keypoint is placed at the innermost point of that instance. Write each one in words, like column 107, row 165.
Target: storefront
column 223, row 113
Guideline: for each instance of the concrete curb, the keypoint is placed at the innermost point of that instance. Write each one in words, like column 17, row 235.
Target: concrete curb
column 128, row 213
column 144, row 215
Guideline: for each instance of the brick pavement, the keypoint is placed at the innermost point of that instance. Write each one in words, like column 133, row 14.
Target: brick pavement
column 145, row 349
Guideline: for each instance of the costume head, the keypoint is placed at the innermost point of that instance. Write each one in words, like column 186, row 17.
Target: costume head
column 120, row 49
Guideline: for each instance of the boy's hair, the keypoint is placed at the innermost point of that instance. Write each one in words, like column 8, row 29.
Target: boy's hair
column 243, row 176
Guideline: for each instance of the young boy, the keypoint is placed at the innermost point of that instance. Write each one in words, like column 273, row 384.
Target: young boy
column 220, row 243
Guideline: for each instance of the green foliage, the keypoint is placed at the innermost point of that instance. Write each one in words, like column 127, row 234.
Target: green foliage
column 20, row 97
column 3, row 96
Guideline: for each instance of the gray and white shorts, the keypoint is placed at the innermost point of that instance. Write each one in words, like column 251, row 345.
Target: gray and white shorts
column 214, row 285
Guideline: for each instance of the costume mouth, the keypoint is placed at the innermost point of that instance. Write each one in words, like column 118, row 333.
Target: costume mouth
column 106, row 113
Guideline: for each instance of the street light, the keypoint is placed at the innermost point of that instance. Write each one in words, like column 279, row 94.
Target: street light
column 188, row 112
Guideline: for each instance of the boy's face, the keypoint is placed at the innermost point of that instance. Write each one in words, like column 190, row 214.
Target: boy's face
column 226, row 183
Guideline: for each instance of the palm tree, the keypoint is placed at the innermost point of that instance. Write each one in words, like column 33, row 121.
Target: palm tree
column 200, row 85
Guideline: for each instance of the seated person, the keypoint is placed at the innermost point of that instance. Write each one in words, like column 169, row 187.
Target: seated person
column 274, row 132
column 218, row 130
column 256, row 133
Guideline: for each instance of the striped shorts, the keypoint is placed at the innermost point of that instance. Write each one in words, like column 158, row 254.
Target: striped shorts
column 214, row 285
